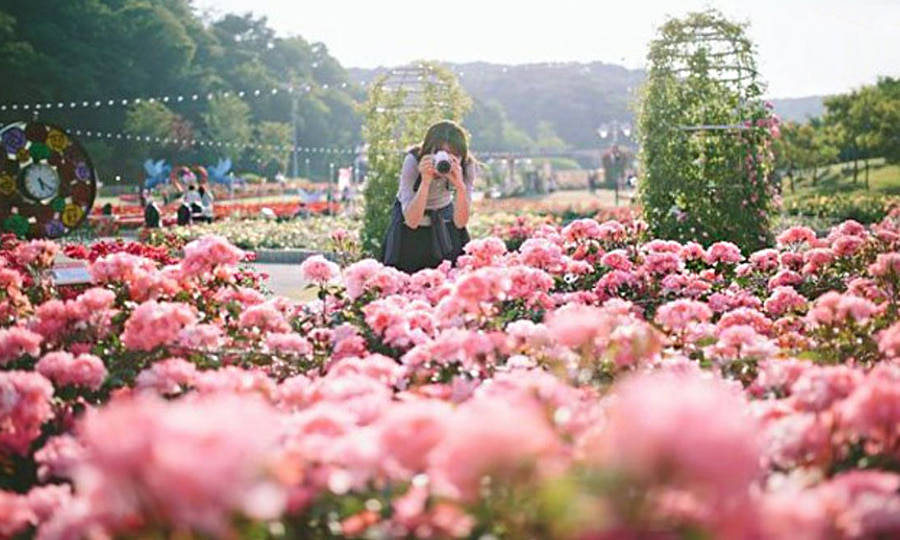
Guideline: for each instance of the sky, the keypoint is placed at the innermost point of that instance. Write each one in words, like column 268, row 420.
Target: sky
column 805, row 47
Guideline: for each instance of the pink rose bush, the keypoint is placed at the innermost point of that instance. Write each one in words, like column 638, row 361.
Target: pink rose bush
column 573, row 382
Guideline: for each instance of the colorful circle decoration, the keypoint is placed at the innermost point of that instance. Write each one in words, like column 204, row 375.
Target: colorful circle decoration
column 183, row 176
column 47, row 181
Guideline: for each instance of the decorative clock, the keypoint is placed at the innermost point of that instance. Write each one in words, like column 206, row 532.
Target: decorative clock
column 47, row 181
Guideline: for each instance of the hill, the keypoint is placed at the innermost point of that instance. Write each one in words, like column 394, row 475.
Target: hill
column 569, row 100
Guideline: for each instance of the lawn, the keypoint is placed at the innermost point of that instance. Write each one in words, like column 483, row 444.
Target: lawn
column 884, row 179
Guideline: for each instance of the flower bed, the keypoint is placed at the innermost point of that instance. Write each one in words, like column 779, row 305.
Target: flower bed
column 313, row 233
column 593, row 383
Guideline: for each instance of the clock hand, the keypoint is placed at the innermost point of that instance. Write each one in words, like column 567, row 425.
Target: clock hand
column 41, row 182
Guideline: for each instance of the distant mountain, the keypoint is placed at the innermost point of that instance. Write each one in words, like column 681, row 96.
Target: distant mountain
column 571, row 99
column 799, row 109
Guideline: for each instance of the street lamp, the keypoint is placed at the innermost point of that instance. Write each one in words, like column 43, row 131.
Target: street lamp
column 613, row 129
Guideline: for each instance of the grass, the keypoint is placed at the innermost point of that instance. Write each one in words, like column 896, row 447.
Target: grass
column 884, row 179
column 579, row 196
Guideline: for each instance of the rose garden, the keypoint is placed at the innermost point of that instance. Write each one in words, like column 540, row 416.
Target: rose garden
column 699, row 364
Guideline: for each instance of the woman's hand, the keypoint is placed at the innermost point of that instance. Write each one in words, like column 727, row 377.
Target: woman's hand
column 456, row 174
column 426, row 169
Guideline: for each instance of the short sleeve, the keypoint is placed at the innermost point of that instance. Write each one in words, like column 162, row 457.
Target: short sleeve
column 408, row 174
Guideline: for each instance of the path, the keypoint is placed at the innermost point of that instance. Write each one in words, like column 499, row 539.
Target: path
column 285, row 280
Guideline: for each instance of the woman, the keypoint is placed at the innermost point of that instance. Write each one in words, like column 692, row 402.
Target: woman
column 431, row 211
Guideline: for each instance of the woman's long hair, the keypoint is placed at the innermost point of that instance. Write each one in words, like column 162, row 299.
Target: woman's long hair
column 445, row 132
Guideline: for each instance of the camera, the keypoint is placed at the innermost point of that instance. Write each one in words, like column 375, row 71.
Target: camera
column 442, row 162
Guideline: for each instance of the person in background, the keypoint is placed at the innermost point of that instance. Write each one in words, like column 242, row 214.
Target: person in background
column 151, row 214
column 192, row 200
column 206, row 203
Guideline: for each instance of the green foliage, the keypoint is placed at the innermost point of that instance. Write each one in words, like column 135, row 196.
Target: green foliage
column 866, row 123
column 150, row 119
column 807, row 147
column 272, row 135
column 391, row 126
column 866, row 208
column 705, row 185
column 154, row 120
column 88, row 49
column 547, row 139
column 228, row 119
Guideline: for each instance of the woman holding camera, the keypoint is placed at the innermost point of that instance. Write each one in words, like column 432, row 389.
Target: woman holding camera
column 429, row 217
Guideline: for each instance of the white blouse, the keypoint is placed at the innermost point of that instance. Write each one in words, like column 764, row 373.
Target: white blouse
column 440, row 193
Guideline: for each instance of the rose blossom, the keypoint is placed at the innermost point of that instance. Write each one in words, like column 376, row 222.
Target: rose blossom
column 288, row 343
column 63, row 369
column 796, row 236
column 765, row 260
column 487, row 436
column 835, row 308
column 204, row 254
column 873, row 409
column 17, row 341
column 846, row 246
column 154, row 324
column 190, row 463
column 265, row 317
column 317, row 269
column 617, row 259
column 821, row 386
column 24, row 407
column 167, row 377
column 693, row 431
column 409, row 432
column 889, row 341
column 783, row 300
column 886, row 264
column 679, row 314
column 742, row 341
column 723, row 252
column 38, row 253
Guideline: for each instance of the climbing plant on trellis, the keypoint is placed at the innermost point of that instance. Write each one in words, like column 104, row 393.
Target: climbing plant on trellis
column 706, row 135
column 401, row 106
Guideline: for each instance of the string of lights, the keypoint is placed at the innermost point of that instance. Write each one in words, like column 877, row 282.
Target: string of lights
column 172, row 99
column 130, row 137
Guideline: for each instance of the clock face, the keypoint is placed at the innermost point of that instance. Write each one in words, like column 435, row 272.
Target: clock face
column 41, row 182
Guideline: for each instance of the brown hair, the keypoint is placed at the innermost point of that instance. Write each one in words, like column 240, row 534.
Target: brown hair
column 445, row 132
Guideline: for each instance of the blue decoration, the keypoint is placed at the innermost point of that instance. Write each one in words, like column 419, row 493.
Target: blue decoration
column 157, row 173
column 220, row 172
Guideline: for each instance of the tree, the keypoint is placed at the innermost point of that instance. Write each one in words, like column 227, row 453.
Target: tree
column 700, row 183
column 804, row 147
column 861, row 119
column 97, row 50
column 274, row 140
column 838, row 117
column 547, row 140
column 887, row 115
column 866, row 123
column 228, row 120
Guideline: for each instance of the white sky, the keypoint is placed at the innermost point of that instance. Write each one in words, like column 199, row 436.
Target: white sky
column 805, row 47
